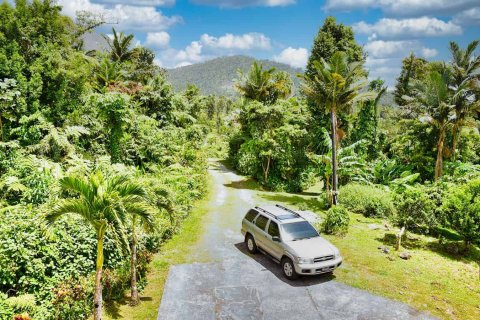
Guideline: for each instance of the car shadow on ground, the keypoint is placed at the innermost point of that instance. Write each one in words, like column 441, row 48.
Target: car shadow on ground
column 276, row 270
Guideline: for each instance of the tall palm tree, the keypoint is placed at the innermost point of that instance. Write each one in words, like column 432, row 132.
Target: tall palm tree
column 264, row 85
column 104, row 202
column 334, row 87
column 120, row 46
column 465, row 77
column 432, row 98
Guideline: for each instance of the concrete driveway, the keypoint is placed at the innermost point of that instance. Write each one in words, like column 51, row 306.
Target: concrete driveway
column 236, row 285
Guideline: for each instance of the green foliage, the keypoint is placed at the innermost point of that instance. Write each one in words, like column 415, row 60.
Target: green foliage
column 331, row 38
column 416, row 209
column 271, row 145
column 215, row 76
column 265, row 86
column 336, row 220
column 369, row 200
column 462, row 210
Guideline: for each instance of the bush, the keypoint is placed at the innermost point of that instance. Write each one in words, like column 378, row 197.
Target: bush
column 369, row 200
column 336, row 220
column 462, row 209
column 416, row 210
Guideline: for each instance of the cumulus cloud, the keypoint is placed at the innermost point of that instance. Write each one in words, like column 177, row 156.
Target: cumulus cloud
column 246, row 3
column 296, row 58
column 208, row 47
column 408, row 28
column 380, row 49
column 403, row 7
column 468, row 17
column 142, row 18
column 157, row 39
column 230, row 41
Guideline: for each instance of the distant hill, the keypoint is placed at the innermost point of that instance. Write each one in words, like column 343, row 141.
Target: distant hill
column 217, row 76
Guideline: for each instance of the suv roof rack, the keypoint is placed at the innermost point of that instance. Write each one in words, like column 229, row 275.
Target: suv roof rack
column 289, row 210
column 265, row 211
column 279, row 217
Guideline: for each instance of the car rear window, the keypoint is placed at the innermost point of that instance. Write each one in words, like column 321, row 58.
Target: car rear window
column 273, row 229
column 261, row 222
column 251, row 215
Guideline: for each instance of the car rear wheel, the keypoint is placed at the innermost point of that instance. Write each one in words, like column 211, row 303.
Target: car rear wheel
column 289, row 269
column 251, row 245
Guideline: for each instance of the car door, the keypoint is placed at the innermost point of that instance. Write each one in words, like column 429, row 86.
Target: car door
column 259, row 231
column 274, row 248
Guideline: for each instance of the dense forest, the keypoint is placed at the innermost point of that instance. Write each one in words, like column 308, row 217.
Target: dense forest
column 101, row 161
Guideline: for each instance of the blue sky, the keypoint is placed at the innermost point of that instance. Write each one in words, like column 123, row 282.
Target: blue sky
column 183, row 32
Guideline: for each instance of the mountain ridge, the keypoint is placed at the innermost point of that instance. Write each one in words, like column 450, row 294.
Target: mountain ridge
column 216, row 76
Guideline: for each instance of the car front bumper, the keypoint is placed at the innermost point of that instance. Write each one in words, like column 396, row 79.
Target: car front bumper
column 318, row 268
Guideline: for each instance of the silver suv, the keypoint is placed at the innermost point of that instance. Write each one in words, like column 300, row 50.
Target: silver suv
column 290, row 240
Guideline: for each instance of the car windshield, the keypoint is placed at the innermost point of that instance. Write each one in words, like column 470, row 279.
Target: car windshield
column 298, row 230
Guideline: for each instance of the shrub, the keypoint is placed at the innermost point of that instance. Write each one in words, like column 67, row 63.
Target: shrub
column 369, row 200
column 336, row 220
column 462, row 209
column 415, row 210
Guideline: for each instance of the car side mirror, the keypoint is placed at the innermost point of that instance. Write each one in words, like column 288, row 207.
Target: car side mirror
column 276, row 239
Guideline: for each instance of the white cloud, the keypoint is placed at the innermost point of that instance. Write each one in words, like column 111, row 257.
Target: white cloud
column 157, row 39
column 245, row 3
column 404, row 7
column 296, row 58
column 153, row 3
column 247, row 41
column 384, row 58
column 408, row 28
column 380, row 49
column 208, row 47
column 428, row 52
column 143, row 18
column 468, row 17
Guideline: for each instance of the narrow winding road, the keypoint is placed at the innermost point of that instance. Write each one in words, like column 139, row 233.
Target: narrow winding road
column 236, row 285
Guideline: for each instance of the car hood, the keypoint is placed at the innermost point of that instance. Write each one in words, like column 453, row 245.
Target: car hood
column 311, row 248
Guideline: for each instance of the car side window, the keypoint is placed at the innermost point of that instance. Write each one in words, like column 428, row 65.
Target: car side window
column 261, row 222
column 273, row 229
column 251, row 215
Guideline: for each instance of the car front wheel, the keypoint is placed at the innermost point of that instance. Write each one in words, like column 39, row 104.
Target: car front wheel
column 251, row 245
column 289, row 269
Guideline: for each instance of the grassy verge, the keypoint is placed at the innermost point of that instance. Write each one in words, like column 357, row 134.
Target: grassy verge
column 435, row 279
column 174, row 251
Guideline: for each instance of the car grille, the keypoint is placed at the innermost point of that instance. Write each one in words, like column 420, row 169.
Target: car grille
column 324, row 258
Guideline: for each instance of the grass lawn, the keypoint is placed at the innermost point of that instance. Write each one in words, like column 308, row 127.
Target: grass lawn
column 445, row 284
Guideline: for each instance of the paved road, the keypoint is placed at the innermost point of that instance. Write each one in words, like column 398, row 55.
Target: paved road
column 235, row 285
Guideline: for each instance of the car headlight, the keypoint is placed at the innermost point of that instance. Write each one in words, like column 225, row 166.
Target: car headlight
column 305, row 260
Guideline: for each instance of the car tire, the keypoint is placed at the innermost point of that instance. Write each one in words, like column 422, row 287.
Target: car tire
column 288, row 269
column 250, row 244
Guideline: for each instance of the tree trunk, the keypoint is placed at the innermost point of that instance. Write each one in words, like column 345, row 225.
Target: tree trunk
column 97, row 298
column 133, row 267
column 455, row 141
column 399, row 236
column 334, row 159
column 439, row 163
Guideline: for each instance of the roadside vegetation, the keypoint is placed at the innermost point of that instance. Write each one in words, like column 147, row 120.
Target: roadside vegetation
column 101, row 163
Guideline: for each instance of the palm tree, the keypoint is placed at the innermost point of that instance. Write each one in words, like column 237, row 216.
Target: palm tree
column 466, row 74
column 334, row 87
column 120, row 46
column 265, row 86
column 144, row 212
column 433, row 100
column 104, row 202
